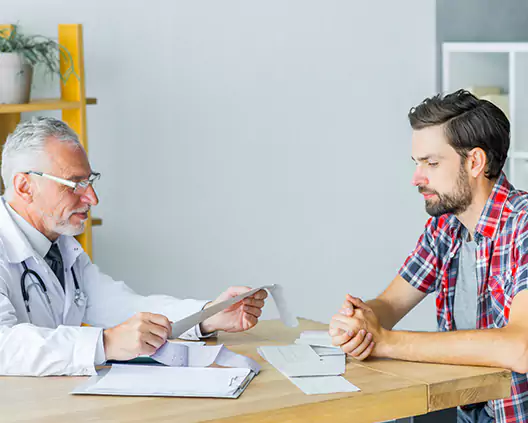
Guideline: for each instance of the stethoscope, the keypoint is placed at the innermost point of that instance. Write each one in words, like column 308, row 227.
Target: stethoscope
column 79, row 298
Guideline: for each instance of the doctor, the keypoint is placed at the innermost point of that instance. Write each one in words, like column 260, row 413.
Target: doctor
column 49, row 286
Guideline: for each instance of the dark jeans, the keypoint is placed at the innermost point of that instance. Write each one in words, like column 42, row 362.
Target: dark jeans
column 471, row 414
column 474, row 414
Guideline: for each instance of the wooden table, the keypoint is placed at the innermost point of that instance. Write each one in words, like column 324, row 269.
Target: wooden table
column 389, row 389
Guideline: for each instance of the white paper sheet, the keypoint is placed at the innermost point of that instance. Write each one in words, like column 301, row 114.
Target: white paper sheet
column 287, row 317
column 311, row 373
column 124, row 379
column 318, row 338
column 275, row 290
column 328, row 351
column 323, row 385
column 187, row 355
column 302, row 360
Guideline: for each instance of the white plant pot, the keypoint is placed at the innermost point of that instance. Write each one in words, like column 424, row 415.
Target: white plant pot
column 15, row 79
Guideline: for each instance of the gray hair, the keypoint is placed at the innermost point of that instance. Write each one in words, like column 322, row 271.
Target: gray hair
column 24, row 148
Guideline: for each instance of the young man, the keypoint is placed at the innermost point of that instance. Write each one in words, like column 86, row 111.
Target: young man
column 473, row 254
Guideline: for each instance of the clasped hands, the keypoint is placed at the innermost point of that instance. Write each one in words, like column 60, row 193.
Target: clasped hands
column 356, row 329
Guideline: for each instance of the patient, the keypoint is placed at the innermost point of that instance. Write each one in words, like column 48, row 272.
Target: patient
column 473, row 254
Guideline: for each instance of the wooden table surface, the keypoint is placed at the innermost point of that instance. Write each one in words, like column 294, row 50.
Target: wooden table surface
column 389, row 389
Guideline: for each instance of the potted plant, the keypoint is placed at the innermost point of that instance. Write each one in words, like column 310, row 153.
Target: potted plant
column 19, row 55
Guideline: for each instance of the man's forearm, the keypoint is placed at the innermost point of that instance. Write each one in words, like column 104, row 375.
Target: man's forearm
column 503, row 347
column 384, row 312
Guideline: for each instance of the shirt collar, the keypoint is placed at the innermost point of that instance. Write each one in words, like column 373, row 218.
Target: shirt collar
column 70, row 249
column 488, row 224
column 38, row 241
column 17, row 246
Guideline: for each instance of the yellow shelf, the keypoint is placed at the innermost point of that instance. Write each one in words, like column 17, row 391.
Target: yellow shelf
column 44, row 104
column 72, row 102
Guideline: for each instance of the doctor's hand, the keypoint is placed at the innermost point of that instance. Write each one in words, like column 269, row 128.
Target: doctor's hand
column 142, row 334
column 240, row 316
column 356, row 329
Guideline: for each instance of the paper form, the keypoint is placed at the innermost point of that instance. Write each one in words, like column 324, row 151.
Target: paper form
column 139, row 380
column 323, row 384
column 275, row 290
column 302, row 360
column 188, row 355
column 310, row 372
column 316, row 338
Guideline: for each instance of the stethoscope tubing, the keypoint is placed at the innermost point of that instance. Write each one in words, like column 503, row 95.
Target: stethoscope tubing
column 25, row 294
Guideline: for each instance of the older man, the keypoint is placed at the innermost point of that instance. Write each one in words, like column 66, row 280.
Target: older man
column 48, row 285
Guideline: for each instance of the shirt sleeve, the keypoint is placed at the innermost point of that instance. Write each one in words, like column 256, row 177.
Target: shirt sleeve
column 420, row 268
column 111, row 302
column 100, row 356
column 29, row 350
column 198, row 329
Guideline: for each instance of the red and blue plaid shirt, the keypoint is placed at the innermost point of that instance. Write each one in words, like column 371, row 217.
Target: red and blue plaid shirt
column 502, row 272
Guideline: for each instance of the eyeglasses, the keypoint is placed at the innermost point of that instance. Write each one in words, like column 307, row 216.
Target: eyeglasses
column 79, row 188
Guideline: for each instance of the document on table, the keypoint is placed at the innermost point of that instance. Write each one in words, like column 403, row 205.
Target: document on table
column 179, row 354
column 302, row 360
column 147, row 359
column 321, row 343
column 323, row 385
column 316, row 338
column 275, row 290
column 310, row 372
column 138, row 380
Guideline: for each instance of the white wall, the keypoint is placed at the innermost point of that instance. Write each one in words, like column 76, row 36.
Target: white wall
column 246, row 142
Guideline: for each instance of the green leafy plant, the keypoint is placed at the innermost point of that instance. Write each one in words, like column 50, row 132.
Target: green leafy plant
column 39, row 51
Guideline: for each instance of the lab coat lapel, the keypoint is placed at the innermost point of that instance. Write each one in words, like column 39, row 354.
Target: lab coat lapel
column 71, row 250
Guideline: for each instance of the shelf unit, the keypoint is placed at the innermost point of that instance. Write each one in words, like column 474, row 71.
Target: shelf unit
column 72, row 103
column 496, row 64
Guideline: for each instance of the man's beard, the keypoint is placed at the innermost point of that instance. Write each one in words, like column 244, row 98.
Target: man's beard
column 69, row 229
column 455, row 203
column 64, row 227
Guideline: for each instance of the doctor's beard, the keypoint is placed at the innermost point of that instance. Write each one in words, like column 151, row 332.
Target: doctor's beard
column 64, row 227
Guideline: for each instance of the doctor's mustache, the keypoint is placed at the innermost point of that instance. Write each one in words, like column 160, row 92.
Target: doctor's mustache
column 79, row 210
column 82, row 210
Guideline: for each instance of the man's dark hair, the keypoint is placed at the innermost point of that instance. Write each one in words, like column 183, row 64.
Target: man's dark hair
column 469, row 123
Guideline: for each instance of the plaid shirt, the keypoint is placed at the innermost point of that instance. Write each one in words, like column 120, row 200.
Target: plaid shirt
column 502, row 272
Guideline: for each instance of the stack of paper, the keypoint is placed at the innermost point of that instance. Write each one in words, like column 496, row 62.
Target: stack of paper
column 309, row 371
column 137, row 380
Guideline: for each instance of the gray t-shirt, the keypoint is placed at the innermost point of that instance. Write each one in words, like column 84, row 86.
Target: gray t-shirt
column 465, row 311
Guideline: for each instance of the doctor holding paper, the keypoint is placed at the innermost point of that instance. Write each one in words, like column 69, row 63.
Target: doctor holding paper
column 49, row 286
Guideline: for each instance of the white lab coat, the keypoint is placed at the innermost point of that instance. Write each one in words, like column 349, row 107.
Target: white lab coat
column 59, row 346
